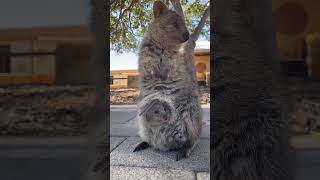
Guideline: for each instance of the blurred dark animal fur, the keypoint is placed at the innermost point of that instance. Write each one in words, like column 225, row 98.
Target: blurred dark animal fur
column 249, row 113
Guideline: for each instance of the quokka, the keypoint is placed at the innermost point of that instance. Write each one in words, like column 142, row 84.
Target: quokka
column 169, row 111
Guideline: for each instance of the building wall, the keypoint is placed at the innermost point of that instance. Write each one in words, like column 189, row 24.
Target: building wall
column 130, row 79
column 44, row 64
column 202, row 63
column 23, row 68
column 124, row 79
column 133, row 81
column 294, row 26
column 21, row 65
column 70, row 65
column 119, row 79
column 28, row 64
column 73, row 64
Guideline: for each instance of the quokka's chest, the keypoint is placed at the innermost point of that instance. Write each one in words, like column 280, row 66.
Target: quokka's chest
column 170, row 66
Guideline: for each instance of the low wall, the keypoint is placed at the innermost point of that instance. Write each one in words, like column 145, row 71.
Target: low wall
column 304, row 107
column 16, row 79
column 46, row 111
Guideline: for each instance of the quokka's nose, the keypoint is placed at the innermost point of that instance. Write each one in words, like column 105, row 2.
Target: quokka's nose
column 186, row 35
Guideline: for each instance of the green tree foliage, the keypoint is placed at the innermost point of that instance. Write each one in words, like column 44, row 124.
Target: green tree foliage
column 129, row 18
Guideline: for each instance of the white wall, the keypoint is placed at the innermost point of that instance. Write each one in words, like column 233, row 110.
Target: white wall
column 21, row 65
column 44, row 64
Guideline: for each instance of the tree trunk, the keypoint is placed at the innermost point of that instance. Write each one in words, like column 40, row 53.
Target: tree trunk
column 194, row 35
column 249, row 124
column 189, row 47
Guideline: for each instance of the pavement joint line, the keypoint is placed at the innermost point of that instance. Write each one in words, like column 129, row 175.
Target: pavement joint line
column 196, row 171
column 29, row 158
column 150, row 167
column 161, row 167
column 156, row 167
column 147, row 167
column 129, row 119
column 6, row 146
column 126, row 137
column 201, row 138
column 195, row 175
column 40, row 143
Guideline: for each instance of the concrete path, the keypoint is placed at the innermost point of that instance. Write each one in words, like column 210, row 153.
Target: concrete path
column 43, row 158
column 66, row 159
column 149, row 163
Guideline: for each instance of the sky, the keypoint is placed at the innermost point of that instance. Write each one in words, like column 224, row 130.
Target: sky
column 130, row 60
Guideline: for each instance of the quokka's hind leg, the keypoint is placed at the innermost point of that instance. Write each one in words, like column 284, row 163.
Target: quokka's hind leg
column 141, row 146
column 182, row 153
column 185, row 151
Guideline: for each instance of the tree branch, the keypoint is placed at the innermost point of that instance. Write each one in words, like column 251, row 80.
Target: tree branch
column 167, row 2
column 177, row 6
column 133, row 2
column 112, row 1
column 195, row 35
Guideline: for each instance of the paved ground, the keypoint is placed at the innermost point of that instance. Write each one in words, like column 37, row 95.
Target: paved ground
column 43, row 158
column 151, row 164
column 66, row 159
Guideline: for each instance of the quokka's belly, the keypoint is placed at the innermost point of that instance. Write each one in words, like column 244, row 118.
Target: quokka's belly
column 159, row 121
column 165, row 136
column 167, row 139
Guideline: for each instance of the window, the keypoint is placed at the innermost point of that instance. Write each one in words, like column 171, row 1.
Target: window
column 120, row 80
column 4, row 59
column 111, row 80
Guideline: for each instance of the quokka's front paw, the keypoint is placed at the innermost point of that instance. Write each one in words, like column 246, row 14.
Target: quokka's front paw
column 141, row 146
column 185, row 151
column 182, row 153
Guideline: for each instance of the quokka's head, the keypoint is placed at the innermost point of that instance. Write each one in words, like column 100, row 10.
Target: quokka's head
column 167, row 27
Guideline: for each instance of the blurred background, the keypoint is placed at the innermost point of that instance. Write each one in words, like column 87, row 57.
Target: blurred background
column 298, row 33
column 45, row 77
column 47, row 91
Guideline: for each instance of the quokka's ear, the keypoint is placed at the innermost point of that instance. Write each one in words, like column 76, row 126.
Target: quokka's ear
column 159, row 8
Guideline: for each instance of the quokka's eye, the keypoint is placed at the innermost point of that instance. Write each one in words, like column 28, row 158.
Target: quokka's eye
column 175, row 24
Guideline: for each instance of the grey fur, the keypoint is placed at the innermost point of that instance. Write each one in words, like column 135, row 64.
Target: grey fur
column 169, row 109
column 249, row 124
